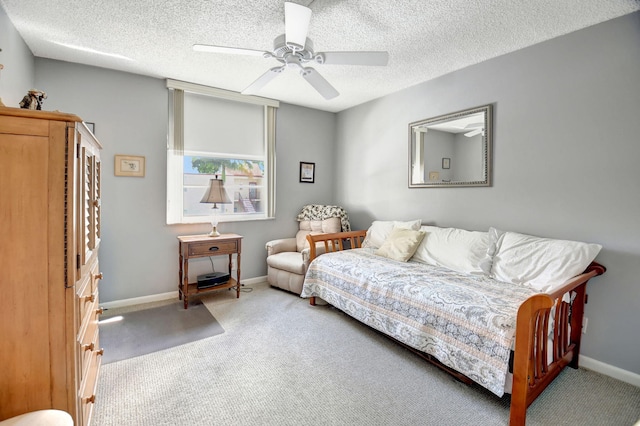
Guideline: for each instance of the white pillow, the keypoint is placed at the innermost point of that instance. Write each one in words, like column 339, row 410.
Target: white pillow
column 401, row 244
column 380, row 230
column 487, row 263
column 456, row 249
column 540, row 263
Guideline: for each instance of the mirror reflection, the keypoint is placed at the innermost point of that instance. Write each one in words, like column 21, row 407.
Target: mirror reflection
column 451, row 150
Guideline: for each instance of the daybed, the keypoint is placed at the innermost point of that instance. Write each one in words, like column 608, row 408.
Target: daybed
column 470, row 302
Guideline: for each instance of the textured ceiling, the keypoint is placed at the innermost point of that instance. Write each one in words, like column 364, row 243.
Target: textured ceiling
column 425, row 38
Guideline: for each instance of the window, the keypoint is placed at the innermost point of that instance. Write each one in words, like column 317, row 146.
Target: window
column 216, row 134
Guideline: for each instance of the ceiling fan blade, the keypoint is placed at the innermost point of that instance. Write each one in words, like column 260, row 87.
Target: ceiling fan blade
column 262, row 81
column 473, row 132
column 296, row 25
column 228, row 50
column 353, row 58
column 319, row 83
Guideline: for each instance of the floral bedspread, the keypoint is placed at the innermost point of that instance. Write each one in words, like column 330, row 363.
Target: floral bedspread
column 466, row 322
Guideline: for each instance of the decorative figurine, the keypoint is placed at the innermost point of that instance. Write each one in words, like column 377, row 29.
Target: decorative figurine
column 33, row 100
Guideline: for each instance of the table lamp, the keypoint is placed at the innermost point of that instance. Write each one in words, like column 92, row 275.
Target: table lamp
column 215, row 194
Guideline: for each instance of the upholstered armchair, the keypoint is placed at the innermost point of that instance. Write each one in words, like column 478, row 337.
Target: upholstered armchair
column 288, row 258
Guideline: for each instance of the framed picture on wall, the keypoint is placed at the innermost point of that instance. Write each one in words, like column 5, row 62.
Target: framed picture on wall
column 129, row 165
column 446, row 163
column 91, row 126
column 307, row 172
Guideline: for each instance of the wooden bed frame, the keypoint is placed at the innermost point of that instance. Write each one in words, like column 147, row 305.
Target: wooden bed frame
column 532, row 370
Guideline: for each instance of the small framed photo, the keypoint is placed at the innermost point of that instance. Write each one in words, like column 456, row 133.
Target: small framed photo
column 446, row 163
column 129, row 165
column 307, row 172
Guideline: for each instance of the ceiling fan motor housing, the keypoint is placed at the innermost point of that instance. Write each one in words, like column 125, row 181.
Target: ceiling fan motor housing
column 281, row 49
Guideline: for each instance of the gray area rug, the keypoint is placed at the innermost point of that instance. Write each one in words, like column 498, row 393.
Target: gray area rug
column 283, row 362
column 125, row 335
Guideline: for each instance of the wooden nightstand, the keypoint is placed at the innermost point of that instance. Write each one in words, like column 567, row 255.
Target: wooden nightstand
column 193, row 246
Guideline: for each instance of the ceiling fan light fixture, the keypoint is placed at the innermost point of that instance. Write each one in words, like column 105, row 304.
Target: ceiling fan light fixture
column 296, row 21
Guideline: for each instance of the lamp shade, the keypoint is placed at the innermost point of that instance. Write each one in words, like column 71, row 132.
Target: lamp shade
column 215, row 193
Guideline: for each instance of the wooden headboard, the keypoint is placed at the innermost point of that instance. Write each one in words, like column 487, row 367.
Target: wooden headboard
column 335, row 241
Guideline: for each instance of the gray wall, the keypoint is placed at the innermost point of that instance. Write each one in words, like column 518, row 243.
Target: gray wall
column 566, row 158
column 16, row 79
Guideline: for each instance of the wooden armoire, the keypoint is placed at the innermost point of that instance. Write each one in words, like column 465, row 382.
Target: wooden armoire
column 49, row 239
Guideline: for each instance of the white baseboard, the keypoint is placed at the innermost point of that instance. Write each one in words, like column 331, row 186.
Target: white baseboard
column 140, row 300
column 163, row 296
column 609, row 370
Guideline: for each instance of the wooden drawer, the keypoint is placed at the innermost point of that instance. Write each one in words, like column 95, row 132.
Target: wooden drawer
column 88, row 337
column 87, row 293
column 87, row 394
column 84, row 300
column 96, row 276
column 213, row 248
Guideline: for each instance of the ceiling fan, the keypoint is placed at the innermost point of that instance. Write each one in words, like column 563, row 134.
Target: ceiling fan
column 475, row 129
column 294, row 50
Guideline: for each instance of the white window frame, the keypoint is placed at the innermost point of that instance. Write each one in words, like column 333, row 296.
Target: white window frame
column 175, row 151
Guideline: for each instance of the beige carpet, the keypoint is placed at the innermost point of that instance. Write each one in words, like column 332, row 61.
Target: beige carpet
column 283, row 362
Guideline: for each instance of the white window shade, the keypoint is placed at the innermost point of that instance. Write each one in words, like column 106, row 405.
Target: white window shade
column 222, row 126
